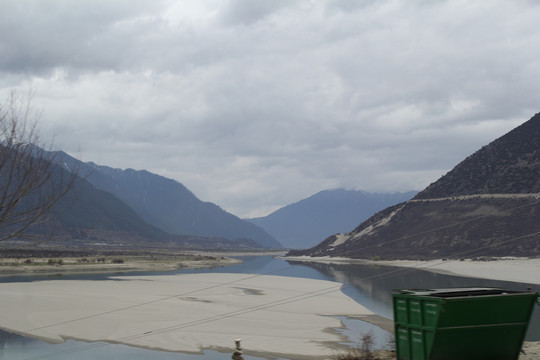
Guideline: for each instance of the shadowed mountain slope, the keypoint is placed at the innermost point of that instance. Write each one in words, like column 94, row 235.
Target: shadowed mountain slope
column 89, row 217
column 168, row 205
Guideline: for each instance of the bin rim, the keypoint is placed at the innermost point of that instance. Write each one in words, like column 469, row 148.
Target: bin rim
column 461, row 291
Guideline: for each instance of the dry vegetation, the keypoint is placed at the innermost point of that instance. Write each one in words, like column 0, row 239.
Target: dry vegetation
column 69, row 260
column 365, row 351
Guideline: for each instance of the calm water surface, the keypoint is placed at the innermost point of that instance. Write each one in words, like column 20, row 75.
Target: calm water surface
column 371, row 286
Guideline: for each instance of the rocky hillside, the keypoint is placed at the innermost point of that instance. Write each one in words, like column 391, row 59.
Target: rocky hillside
column 488, row 205
column 508, row 165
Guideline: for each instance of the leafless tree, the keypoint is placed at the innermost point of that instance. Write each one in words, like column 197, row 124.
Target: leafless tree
column 31, row 181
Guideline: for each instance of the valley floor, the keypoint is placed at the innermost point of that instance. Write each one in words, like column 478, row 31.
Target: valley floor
column 251, row 302
column 66, row 262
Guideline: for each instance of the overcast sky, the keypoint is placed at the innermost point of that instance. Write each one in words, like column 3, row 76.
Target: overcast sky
column 256, row 104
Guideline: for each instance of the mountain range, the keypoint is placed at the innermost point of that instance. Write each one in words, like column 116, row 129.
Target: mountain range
column 488, row 205
column 170, row 206
column 309, row 221
column 114, row 207
column 138, row 206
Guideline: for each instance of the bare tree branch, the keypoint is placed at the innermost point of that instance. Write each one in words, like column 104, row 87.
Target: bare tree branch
column 31, row 181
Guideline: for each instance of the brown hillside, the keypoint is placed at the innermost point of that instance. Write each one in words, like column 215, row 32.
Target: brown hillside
column 488, row 205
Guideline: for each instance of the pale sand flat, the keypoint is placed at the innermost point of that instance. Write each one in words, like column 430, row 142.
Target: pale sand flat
column 186, row 313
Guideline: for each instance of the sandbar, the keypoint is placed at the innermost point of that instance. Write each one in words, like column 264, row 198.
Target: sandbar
column 9, row 267
column 273, row 315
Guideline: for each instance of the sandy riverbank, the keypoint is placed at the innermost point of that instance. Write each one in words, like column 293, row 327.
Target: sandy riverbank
column 518, row 270
column 75, row 266
column 283, row 316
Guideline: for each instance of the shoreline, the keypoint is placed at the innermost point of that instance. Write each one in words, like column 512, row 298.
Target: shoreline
column 18, row 267
column 532, row 348
column 506, row 269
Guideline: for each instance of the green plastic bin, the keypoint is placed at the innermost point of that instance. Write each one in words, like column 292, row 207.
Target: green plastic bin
column 461, row 323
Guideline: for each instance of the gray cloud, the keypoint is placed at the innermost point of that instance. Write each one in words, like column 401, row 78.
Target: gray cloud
column 247, row 12
column 257, row 104
column 39, row 36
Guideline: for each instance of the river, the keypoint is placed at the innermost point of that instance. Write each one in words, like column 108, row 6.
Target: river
column 370, row 285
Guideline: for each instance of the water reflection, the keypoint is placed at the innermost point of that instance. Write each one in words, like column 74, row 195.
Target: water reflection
column 372, row 285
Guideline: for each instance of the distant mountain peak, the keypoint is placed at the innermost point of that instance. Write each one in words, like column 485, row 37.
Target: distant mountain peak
column 308, row 221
